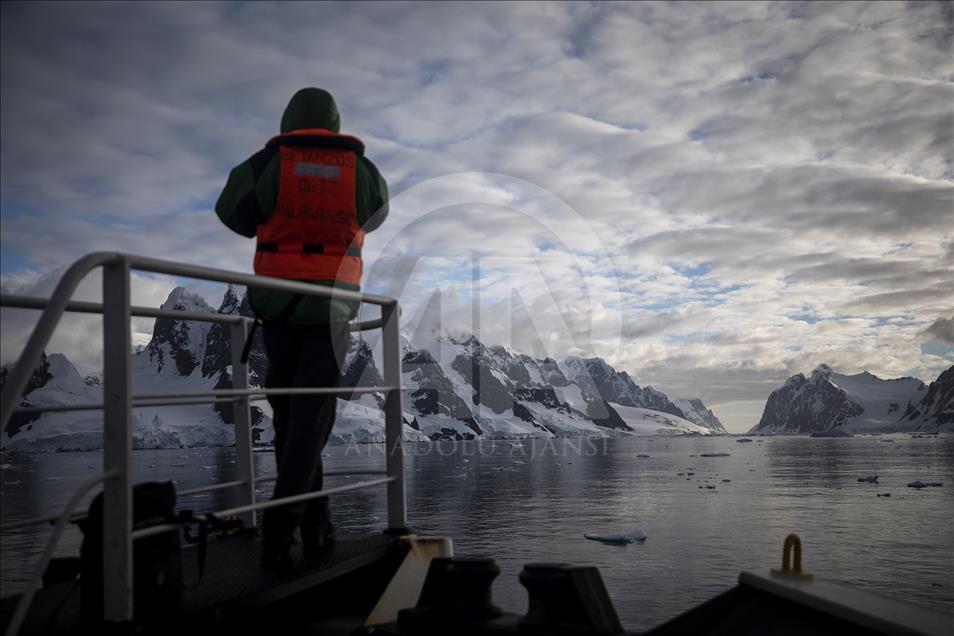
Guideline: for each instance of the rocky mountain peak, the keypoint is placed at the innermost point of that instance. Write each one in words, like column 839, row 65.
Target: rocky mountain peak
column 231, row 302
column 178, row 346
column 360, row 368
column 468, row 341
column 182, row 299
column 829, row 400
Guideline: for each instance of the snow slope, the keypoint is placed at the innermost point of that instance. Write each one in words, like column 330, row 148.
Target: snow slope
column 649, row 422
column 695, row 411
column 883, row 400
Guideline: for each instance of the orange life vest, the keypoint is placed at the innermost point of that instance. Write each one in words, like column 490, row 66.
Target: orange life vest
column 313, row 233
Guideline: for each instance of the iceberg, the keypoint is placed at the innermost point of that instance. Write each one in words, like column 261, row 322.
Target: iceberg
column 636, row 536
column 920, row 484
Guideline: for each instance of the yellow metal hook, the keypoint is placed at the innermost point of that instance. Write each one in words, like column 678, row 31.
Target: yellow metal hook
column 792, row 544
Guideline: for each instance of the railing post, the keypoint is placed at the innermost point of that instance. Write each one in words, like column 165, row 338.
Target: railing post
column 242, row 418
column 393, row 418
column 117, row 445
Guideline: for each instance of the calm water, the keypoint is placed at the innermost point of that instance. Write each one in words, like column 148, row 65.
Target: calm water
column 534, row 504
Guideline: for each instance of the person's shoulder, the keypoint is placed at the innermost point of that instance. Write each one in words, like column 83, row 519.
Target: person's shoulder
column 372, row 169
column 260, row 160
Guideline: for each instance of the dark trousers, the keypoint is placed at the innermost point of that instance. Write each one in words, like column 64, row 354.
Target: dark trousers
column 301, row 356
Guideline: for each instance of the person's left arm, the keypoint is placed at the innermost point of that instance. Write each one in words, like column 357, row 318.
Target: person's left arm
column 373, row 200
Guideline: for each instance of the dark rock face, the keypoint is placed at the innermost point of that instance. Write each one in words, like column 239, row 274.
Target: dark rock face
column 435, row 394
column 477, row 367
column 804, row 405
column 218, row 353
column 226, row 409
column 39, row 378
column 360, row 369
column 180, row 340
column 257, row 360
column 543, row 395
column 937, row 406
column 488, row 390
column 551, row 373
column 521, row 411
column 515, row 368
column 602, row 413
column 175, row 332
column 449, row 434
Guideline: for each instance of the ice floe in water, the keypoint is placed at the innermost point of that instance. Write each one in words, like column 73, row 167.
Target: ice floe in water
column 922, row 484
column 636, row 536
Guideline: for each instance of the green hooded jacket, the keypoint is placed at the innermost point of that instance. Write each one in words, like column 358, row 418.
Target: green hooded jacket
column 249, row 197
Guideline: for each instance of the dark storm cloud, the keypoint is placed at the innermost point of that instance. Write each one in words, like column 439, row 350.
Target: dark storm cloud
column 941, row 329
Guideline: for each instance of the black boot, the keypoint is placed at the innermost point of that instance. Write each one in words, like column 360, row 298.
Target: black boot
column 276, row 551
column 317, row 531
column 278, row 561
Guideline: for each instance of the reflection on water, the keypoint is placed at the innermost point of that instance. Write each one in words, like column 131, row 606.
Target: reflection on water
column 533, row 502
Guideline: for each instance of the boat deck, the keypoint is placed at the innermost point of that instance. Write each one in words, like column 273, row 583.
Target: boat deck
column 235, row 586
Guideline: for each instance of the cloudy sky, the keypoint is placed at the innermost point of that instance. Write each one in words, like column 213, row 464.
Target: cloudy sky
column 711, row 196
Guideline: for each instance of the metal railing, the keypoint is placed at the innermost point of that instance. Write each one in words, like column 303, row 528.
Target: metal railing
column 118, row 401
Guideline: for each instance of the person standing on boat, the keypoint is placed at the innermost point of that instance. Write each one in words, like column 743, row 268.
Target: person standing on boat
column 309, row 196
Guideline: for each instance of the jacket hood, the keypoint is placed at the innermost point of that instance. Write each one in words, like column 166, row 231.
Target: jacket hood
column 311, row 108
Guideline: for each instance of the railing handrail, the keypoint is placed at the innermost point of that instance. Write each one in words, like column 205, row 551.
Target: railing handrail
column 63, row 293
column 118, row 400
column 208, row 397
column 87, row 307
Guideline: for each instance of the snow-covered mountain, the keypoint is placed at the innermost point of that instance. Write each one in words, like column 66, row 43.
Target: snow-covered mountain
column 829, row 400
column 455, row 388
column 599, row 378
column 463, row 389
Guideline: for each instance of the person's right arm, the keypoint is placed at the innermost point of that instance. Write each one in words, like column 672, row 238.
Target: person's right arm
column 251, row 189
